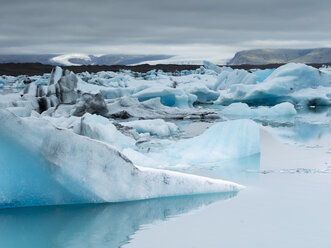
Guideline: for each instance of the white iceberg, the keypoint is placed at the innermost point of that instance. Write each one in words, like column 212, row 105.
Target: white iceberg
column 228, row 78
column 221, row 142
column 153, row 109
column 242, row 109
column 170, row 97
column 156, row 127
column 100, row 128
column 45, row 165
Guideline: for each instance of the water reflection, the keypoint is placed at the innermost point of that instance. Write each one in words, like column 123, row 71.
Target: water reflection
column 235, row 170
column 105, row 225
column 304, row 132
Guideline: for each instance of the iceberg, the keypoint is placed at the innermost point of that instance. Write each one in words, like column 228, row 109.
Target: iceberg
column 126, row 107
column 210, row 66
column 100, row 128
column 222, row 141
column 156, row 127
column 170, row 97
column 299, row 76
column 201, row 91
column 45, row 165
column 242, row 109
column 228, row 78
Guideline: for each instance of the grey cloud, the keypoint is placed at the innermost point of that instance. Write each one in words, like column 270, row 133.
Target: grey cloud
column 80, row 25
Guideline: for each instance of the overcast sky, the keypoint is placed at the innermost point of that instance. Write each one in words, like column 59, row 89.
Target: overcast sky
column 183, row 27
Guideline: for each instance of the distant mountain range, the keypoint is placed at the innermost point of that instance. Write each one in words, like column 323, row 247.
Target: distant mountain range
column 246, row 57
column 80, row 59
column 281, row 56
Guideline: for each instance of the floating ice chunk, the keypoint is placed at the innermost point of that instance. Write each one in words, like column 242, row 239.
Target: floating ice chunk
column 203, row 94
column 221, row 142
column 156, row 127
column 95, row 127
column 44, row 165
column 210, row 66
column 100, row 128
column 90, row 103
column 56, row 75
column 242, row 109
column 153, row 109
column 228, row 78
column 89, row 88
column 299, row 76
column 170, row 97
column 281, row 109
column 238, row 109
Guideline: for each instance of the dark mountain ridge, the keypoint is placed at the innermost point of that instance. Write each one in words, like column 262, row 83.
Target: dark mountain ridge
column 281, row 56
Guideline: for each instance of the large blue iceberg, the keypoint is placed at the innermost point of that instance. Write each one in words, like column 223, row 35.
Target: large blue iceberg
column 45, row 165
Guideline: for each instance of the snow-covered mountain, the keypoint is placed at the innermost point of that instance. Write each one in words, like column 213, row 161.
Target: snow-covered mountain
column 81, row 59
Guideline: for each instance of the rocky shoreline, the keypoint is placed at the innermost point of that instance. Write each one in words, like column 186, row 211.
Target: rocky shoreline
column 30, row 69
